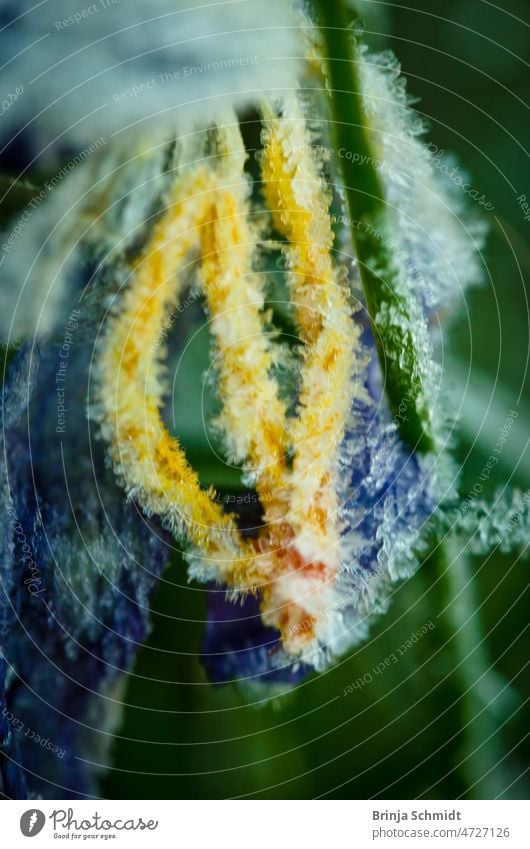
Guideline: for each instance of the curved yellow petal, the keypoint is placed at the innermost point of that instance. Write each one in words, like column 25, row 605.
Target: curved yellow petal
column 150, row 462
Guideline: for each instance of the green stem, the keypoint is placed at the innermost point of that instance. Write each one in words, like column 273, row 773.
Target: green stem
column 485, row 702
column 390, row 314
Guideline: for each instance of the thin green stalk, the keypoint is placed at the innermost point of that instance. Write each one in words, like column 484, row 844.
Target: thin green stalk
column 485, row 701
column 389, row 312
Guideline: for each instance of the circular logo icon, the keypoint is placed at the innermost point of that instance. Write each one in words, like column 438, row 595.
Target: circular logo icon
column 32, row 822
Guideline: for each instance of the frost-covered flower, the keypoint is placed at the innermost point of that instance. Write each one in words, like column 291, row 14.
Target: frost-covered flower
column 95, row 487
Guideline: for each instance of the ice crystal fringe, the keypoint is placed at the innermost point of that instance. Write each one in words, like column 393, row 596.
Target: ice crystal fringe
column 437, row 239
column 504, row 522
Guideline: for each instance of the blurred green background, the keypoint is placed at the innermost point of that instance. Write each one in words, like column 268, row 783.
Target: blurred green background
column 401, row 735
